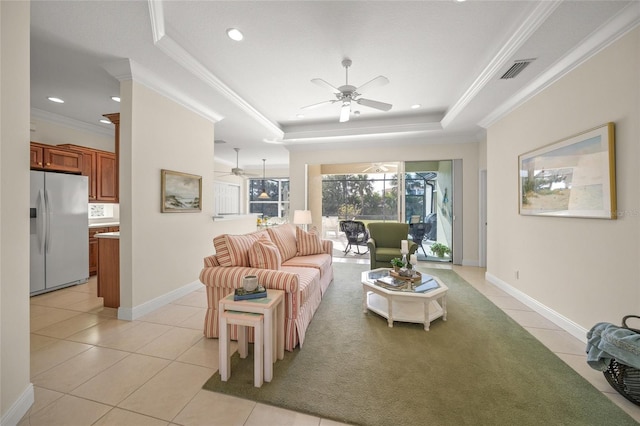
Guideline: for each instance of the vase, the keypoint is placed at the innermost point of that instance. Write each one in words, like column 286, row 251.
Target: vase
column 250, row 282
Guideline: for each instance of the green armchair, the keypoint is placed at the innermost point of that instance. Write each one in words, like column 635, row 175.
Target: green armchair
column 384, row 242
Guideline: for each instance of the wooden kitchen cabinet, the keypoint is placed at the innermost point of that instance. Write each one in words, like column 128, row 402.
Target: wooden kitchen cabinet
column 109, row 271
column 100, row 168
column 55, row 158
column 107, row 177
column 93, row 249
column 37, row 155
column 93, row 246
column 88, row 167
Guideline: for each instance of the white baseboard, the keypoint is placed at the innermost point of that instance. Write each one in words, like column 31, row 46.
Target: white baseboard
column 19, row 408
column 561, row 321
column 136, row 312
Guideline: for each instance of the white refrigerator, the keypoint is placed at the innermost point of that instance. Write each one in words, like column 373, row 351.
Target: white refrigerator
column 59, row 231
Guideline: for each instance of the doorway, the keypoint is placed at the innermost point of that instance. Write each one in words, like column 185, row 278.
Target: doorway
column 429, row 207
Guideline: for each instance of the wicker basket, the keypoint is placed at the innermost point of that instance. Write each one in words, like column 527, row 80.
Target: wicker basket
column 623, row 378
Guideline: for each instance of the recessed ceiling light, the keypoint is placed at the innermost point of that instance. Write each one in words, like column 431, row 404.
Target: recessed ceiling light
column 415, row 106
column 105, row 121
column 56, row 100
column 115, row 98
column 299, row 115
column 235, row 34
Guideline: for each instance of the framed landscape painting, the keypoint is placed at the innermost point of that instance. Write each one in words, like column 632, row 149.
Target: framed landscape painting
column 181, row 192
column 574, row 177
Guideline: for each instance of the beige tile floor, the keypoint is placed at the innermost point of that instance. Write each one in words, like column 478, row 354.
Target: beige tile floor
column 89, row 368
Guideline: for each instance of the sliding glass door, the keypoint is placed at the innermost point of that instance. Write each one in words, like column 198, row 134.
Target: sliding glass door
column 420, row 193
column 428, row 207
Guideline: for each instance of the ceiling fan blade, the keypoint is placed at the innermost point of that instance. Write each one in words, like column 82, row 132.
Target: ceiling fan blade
column 319, row 104
column 345, row 112
column 320, row 82
column 374, row 104
column 376, row 82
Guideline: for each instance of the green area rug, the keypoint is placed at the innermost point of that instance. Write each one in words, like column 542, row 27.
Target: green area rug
column 478, row 368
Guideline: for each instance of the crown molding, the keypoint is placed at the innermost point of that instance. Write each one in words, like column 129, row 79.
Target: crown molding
column 528, row 27
column 156, row 13
column 106, row 130
column 626, row 20
column 176, row 52
column 333, row 132
column 127, row 69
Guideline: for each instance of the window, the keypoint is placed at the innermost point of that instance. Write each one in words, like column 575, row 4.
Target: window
column 277, row 205
column 419, row 189
column 366, row 197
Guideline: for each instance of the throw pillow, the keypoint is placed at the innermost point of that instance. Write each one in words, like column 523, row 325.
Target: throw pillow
column 285, row 238
column 308, row 242
column 233, row 250
column 264, row 254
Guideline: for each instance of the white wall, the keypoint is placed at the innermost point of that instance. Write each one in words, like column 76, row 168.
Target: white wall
column 16, row 392
column 56, row 134
column 161, row 253
column 582, row 270
column 400, row 150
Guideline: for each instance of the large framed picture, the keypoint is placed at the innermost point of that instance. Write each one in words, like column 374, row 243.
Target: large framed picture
column 574, row 177
column 181, row 192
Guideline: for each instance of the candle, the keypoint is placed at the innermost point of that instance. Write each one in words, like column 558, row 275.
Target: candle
column 404, row 246
column 413, row 259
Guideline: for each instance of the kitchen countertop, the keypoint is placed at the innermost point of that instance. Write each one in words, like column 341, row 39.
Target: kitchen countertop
column 102, row 225
column 112, row 235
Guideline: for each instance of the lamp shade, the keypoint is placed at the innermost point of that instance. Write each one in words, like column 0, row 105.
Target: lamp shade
column 302, row 217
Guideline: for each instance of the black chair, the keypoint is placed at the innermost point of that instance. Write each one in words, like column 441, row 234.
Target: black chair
column 432, row 234
column 418, row 231
column 356, row 234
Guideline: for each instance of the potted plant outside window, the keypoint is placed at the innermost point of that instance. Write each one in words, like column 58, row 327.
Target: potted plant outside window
column 440, row 249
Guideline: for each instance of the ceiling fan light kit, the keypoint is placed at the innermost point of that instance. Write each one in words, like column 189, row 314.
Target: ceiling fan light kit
column 347, row 94
column 236, row 171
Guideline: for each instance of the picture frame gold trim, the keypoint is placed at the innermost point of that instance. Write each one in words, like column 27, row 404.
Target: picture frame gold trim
column 573, row 177
column 181, row 192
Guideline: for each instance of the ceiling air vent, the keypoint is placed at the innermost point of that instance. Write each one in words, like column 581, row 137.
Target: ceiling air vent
column 516, row 68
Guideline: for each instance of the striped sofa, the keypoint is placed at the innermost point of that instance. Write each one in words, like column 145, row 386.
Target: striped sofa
column 284, row 257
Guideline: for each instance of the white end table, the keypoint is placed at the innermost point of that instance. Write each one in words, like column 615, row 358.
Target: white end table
column 272, row 308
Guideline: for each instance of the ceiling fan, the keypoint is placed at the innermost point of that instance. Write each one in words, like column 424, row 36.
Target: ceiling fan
column 237, row 171
column 347, row 94
column 380, row 168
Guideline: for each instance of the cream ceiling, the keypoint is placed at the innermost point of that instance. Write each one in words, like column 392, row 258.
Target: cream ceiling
column 447, row 56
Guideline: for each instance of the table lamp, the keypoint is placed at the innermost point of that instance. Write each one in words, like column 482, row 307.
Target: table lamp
column 302, row 217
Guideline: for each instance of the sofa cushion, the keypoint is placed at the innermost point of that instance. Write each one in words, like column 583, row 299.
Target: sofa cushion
column 321, row 262
column 308, row 243
column 233, row 250
column 285, row 238
column 264, row 254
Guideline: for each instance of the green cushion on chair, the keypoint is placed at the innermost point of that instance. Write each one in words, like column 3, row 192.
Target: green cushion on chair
column 387, row 237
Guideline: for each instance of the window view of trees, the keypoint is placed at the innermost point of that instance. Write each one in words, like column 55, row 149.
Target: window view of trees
column 277, row 205
column 375, row 196
column 363, row 196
